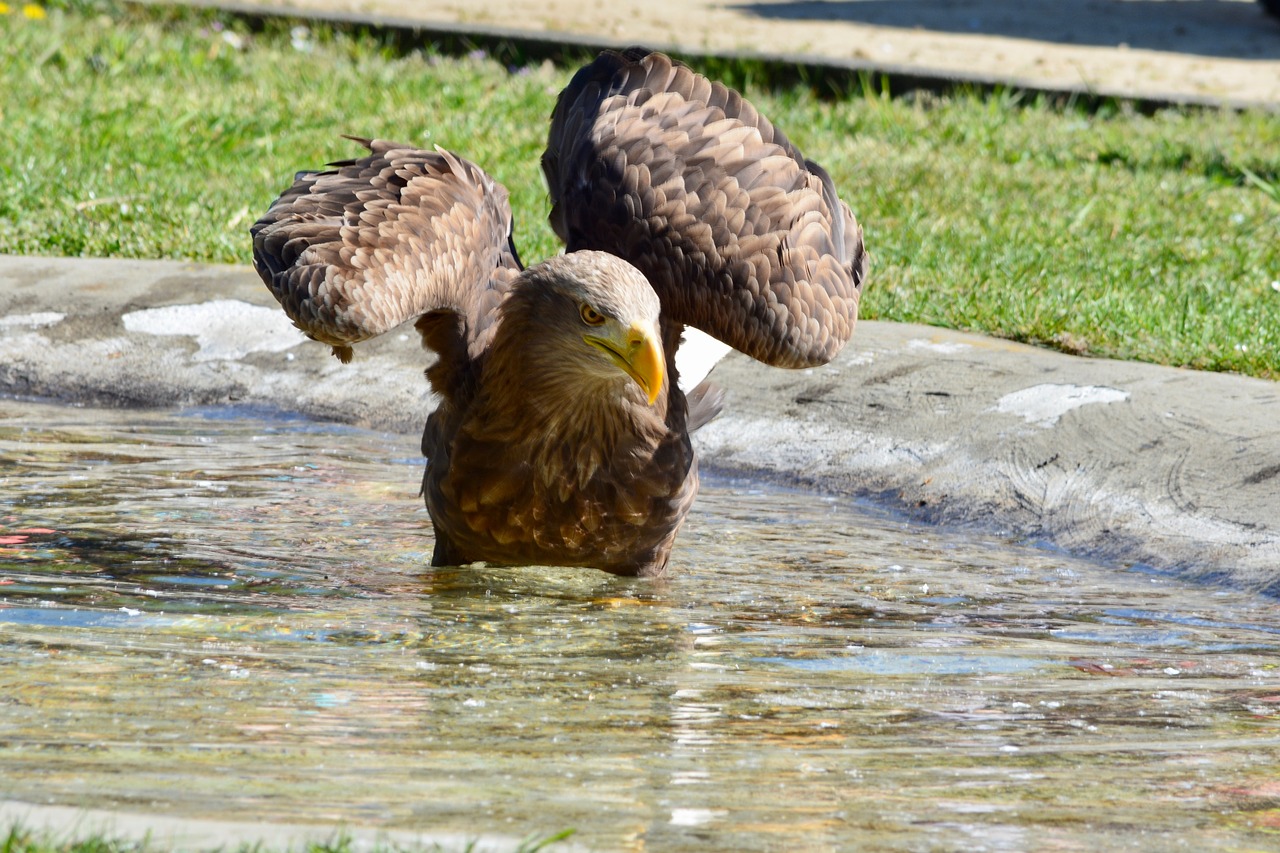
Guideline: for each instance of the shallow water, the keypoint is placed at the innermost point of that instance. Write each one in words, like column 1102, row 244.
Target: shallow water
column 230, row 614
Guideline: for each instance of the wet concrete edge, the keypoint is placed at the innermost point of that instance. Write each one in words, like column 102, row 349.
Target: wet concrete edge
column 162, row 832
column 1170, row 469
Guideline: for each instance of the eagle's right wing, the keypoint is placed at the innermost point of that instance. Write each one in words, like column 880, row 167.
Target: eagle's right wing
column 355, row 251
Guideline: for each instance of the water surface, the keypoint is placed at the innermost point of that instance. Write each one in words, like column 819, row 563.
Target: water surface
column 230, row 614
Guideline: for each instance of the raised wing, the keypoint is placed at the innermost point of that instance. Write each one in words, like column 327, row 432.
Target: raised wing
column 737, row 232
column 355, row 251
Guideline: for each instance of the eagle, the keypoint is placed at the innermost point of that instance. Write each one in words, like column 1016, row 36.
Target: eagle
column 562, row 432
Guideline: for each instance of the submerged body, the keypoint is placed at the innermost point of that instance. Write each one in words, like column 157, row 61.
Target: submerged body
column 562, row 435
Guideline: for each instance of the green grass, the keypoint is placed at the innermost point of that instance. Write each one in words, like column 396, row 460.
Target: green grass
column 146, row 134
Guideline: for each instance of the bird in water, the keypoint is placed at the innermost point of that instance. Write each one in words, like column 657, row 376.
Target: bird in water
column 562, row 432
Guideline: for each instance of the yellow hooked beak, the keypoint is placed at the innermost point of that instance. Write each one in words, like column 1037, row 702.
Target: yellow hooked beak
column 637, row 352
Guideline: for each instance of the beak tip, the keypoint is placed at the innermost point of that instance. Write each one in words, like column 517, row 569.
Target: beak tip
column 640, row 356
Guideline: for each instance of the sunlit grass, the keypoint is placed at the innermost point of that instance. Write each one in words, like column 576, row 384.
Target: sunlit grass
column 148, row 134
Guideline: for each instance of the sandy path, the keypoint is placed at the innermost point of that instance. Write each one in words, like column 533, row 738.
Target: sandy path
column 1201, row 51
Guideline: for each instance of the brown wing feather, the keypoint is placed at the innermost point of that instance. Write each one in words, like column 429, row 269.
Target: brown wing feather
column 354, row 252
column 737, row 232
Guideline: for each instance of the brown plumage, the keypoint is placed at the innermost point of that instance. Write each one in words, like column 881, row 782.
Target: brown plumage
column 562, row 436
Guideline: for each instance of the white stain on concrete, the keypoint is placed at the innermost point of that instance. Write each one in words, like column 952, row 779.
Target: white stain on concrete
column 225, row 329
column 31, row 321
column 1043, row 405
column 695, row 817
column 848, row 358
column 941, row 347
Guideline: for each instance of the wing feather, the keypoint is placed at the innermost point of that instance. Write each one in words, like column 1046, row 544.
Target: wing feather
column 357, row 250
column 740, row 235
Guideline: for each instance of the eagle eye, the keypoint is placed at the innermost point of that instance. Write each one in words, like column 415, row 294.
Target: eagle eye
column 591, row 316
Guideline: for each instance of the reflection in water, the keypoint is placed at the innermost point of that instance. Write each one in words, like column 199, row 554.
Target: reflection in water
column 231, row 614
